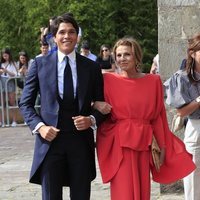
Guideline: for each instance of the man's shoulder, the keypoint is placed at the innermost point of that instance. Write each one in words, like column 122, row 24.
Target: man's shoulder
column 86, row 60
column 46, row 58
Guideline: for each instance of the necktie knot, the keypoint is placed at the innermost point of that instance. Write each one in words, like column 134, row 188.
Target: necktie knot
column 66, row 59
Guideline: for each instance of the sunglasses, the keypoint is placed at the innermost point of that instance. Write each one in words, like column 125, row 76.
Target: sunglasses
column 104, row 50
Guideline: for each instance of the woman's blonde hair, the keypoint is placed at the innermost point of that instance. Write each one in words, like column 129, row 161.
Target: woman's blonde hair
column 136, row 48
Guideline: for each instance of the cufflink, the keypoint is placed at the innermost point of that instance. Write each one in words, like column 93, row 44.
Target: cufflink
column 93, row 120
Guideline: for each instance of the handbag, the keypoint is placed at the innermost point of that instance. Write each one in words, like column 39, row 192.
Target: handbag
column 155, row 150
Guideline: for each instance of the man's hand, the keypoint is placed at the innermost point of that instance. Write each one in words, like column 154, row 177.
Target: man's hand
column 49, row 133
column 82, row 122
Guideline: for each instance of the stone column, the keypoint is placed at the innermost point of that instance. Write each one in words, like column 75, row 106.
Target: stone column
column 178, row 20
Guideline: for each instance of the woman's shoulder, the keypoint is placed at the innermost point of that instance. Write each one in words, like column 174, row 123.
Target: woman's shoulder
column 147, row 77
column 183, row 76
column 111, row 75
column 153, row 77
column 180, row 77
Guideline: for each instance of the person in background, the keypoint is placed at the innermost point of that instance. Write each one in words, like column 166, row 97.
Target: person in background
column 68, row 83
column 44, row 47
column 155, row 65
column 24, row 63
column 105, row 59
column 137, row 117
column 85, row 51
column 43, row 31
column 184, row 95
column 23, row 66
column 8, row 70
column 48, row 36
column 79, row 38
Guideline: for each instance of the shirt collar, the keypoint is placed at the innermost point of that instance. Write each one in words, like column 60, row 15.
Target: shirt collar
column 72, row 56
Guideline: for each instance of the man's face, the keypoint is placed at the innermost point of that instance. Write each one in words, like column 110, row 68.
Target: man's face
column 44, row 49
column 66, row 38
column 84, row 52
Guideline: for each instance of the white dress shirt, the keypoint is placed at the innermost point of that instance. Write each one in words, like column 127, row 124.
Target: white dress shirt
column 61, row 67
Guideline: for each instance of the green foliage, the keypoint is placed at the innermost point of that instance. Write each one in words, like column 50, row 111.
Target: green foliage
column 101, row 22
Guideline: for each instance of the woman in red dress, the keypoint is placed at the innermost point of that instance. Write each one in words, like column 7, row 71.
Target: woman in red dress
column 124, row 139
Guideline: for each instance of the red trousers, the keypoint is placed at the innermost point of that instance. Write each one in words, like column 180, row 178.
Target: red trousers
column 132, row 181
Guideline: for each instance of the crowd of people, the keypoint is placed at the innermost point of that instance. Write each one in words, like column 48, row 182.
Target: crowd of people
column 108, row 94
column 9, row 69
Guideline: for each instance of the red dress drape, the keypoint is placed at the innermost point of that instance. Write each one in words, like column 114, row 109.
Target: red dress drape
column 138, row 112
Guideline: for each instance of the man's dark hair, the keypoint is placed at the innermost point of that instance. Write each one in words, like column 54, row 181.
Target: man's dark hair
column 43, row 43
column 64, row 19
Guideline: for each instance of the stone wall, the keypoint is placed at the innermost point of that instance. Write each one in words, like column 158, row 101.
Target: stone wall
column 178, row 20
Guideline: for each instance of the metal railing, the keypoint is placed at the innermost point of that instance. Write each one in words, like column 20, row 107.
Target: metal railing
column 2, row 104
column 18, row 92
column 17, row 97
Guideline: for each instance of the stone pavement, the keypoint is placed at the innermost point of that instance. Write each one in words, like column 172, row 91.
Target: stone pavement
column 16, row 149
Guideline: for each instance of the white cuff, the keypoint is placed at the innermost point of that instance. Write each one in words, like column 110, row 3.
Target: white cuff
column 35, row 131
column 93, row 120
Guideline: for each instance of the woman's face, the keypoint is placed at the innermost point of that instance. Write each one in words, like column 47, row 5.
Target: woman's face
column 105, row 51
column 22, row 59
column 125, row 58
column 5, row 56
column 197, row 57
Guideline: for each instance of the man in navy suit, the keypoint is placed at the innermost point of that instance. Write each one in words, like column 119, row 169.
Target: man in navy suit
column 64, row 146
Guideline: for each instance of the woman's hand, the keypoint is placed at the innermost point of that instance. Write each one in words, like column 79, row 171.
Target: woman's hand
column 158, row 154
column 1, row 71
column 102, row 107
column 23, row 70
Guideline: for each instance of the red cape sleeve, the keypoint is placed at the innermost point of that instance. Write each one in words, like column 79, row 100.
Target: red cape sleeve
column 178, row 162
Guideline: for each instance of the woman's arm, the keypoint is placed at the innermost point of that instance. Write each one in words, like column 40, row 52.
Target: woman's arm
column 189, row 108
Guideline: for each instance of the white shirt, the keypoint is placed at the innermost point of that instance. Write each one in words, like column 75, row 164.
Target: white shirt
column 11, row 67
column 61, row 67
column 91, row 56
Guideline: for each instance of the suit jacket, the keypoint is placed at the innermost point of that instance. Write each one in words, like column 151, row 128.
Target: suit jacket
column 42, row 79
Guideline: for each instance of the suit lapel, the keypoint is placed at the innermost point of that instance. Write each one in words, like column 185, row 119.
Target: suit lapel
column 82, row 80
